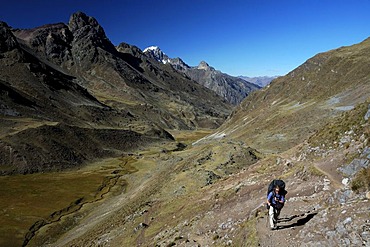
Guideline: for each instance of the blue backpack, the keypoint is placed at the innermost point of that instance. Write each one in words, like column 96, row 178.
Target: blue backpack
column 277, row 182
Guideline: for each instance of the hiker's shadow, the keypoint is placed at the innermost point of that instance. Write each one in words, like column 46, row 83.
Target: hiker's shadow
column 304, row 218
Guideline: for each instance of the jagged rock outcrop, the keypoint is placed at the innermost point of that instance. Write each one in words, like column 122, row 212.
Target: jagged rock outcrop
column 204, row 66
column 7, row 39
column 179, row 64
column 49, row 42
column 89, row 39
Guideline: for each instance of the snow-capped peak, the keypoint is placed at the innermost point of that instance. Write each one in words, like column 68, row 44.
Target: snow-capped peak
column 156, row 53
column 151, row 48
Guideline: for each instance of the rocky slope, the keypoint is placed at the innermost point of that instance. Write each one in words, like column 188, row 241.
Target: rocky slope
column 232, row 89
column 69, row 78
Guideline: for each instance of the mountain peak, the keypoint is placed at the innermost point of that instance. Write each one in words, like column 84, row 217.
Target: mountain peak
column 80, row 19
column 204, row 66
column 7, row 40
column 156, row 53
column 4, row 24
column 152, row 48
column 88, row 34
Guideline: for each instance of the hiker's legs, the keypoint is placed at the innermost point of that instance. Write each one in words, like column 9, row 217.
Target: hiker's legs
column 271, row 217
column 277, row 213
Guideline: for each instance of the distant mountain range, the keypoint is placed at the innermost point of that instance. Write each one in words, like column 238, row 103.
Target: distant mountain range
column 232, row 89
column 261, row 81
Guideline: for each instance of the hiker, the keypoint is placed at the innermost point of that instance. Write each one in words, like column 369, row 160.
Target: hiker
column 275, row 202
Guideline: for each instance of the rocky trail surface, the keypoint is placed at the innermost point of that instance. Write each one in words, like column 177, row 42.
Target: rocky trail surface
column 320, row 210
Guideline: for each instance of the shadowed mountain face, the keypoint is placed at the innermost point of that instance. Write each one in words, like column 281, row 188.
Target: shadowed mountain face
column 65, row 75
column 232, row 89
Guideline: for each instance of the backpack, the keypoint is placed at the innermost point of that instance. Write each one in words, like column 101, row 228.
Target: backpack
column 277, row 182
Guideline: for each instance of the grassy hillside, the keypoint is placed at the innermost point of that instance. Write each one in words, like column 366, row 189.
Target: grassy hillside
column 294, row 106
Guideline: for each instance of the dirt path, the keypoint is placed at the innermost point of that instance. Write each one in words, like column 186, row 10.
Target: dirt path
column 328, row 166
column 298, row 210
column 290, row 222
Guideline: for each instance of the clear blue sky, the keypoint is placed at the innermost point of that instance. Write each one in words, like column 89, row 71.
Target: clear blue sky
column 246, row 37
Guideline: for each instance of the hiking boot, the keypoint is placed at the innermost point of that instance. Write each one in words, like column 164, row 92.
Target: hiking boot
column 273, row 228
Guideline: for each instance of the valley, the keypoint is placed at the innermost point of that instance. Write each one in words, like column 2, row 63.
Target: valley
column 104, row 145
column 172, row 197
column 53, row 202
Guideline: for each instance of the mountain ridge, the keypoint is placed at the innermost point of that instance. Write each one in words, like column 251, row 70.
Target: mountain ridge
column 231, row 88
column 72, row 74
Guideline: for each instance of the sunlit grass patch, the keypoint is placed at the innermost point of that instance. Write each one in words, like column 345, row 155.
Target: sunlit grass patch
column 190, row 136
column 26, row 199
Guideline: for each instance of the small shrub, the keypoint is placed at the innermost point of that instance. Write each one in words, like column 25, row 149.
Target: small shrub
column 362, row 180
column 216, row 237
column 346, row 145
